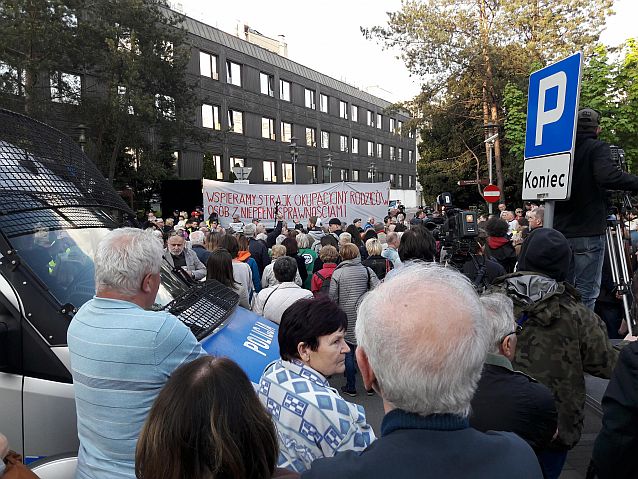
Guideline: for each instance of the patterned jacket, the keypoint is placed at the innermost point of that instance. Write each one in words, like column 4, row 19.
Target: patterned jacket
column 561, row 340
column 312, row 419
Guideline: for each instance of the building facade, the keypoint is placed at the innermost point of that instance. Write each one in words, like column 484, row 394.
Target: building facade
column 288, row 122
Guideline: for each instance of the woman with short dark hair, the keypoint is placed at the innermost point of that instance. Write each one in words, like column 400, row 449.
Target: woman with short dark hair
column 417, row 244
column 220, row 267
column 312, row 348
column 207, row 422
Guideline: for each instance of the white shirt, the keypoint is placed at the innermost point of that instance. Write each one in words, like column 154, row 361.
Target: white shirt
column 273, row 301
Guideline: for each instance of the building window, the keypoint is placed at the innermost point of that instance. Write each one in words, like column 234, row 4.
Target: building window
column 236, row 162
column 66, row 88
column 410, row 182
column 410, row 156
column 323, row 103
column 310, row 137
column 344, row 174
column 355, row 113
column 392, row 183
column 392, row 125
column 379, row 176
column 343, row 110
column 233, row 73
column 379, row 120
column 208, row 65
column 325, row 139
column 399, row 126
column 216, row 161
column 309, row 98
column 355, row 175
column 10, row 79
column 312, row 173
column 270, row 171
column 355, row 146
column 343, row 143
column 165, row 106
column 392, row 156
column 400, row 183
column 400, row 155
column 236, row 121
column 286, row 132
column 267, row 84
column 286, row 173
column 268, row 128
column 326, row 175
column 210, row 117
column 284, row 90
column 370, row 118
column 370, row 148
column 410, row 133
column 379, row 150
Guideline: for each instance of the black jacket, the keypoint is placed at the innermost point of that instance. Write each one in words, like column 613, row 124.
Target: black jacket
column 271, row 238
column 378, row 264
column 616, row 445
column 259, row 252
column 436, row 447
column 585, row 213
column 508, row 400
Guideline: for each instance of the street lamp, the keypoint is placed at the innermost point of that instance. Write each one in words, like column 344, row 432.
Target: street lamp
column 372, row 170
column 329, row 164
column 490, row 143
column 294, row 154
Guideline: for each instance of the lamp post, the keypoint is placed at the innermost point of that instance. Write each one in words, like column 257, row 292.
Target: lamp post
column 372, row 170
column 293, row 156
column 329, row 164
column 490, row 144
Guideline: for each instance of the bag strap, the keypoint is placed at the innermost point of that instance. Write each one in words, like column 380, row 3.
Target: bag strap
column 263, row 309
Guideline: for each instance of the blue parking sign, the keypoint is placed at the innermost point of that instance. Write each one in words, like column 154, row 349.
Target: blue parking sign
column 552, row 108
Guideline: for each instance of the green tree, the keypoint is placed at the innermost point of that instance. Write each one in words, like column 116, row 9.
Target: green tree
column 469, row 50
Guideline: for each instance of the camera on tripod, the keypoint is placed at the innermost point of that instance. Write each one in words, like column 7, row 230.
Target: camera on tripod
column 457, row 232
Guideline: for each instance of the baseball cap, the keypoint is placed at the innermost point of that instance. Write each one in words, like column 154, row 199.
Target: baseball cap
column 356, row 220
column 588, row 118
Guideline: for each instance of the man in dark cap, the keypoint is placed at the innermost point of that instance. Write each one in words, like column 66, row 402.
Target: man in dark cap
column 582, row 219
column 334, row 225
column 561, row 339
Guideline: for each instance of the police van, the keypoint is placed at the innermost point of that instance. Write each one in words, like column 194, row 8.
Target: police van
column 55, row 207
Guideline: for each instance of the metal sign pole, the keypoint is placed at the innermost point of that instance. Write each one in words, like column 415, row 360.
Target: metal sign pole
column 548, row 216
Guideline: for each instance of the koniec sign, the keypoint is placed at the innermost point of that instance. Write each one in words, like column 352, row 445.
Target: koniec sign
column 345, row 200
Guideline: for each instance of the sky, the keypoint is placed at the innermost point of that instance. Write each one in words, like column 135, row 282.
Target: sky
column 326, row 36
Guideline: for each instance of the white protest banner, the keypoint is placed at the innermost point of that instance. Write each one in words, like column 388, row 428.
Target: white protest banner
column 344, row 200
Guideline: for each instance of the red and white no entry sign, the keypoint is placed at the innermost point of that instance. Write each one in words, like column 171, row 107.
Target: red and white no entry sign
column 491, row 193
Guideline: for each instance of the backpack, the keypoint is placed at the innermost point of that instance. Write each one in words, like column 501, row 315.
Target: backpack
column 325, row 285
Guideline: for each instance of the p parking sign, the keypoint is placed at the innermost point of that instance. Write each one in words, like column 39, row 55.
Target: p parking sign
column 552, row 110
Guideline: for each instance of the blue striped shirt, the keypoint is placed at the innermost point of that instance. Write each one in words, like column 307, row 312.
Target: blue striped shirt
column 121, row 356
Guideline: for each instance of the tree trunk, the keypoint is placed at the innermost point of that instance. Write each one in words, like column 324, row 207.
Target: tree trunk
column 114, row 153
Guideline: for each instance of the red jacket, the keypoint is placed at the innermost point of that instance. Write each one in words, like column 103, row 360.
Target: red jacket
column 326, row 272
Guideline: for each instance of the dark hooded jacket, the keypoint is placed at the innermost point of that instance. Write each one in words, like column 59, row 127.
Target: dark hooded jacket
column 501, row 250
column 561, row 338
column 585, row 213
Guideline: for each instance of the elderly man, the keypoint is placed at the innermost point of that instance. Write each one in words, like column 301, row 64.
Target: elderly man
column 258, row 250
column 525, row 406
column 179, row 257
column 392, row 251
column 426, row 369
column 122, row 353
column 273, row 301
column 536, row 217
column 197, row 245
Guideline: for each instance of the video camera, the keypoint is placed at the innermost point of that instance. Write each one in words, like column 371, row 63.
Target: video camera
column 456, row 232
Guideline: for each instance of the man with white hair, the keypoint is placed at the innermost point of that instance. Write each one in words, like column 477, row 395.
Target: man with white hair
column 122, row 353
column 179, row 257
column 258, row 250
column 197, row 246
column 425, row 364
column 525, row 406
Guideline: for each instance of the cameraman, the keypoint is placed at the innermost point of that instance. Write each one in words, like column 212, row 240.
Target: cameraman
column 583, row 218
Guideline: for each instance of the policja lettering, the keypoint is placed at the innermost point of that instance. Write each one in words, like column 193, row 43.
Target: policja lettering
column 544, row 181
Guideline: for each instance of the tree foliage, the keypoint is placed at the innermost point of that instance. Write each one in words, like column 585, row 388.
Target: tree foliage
column 136, row 102
column 480, row 53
